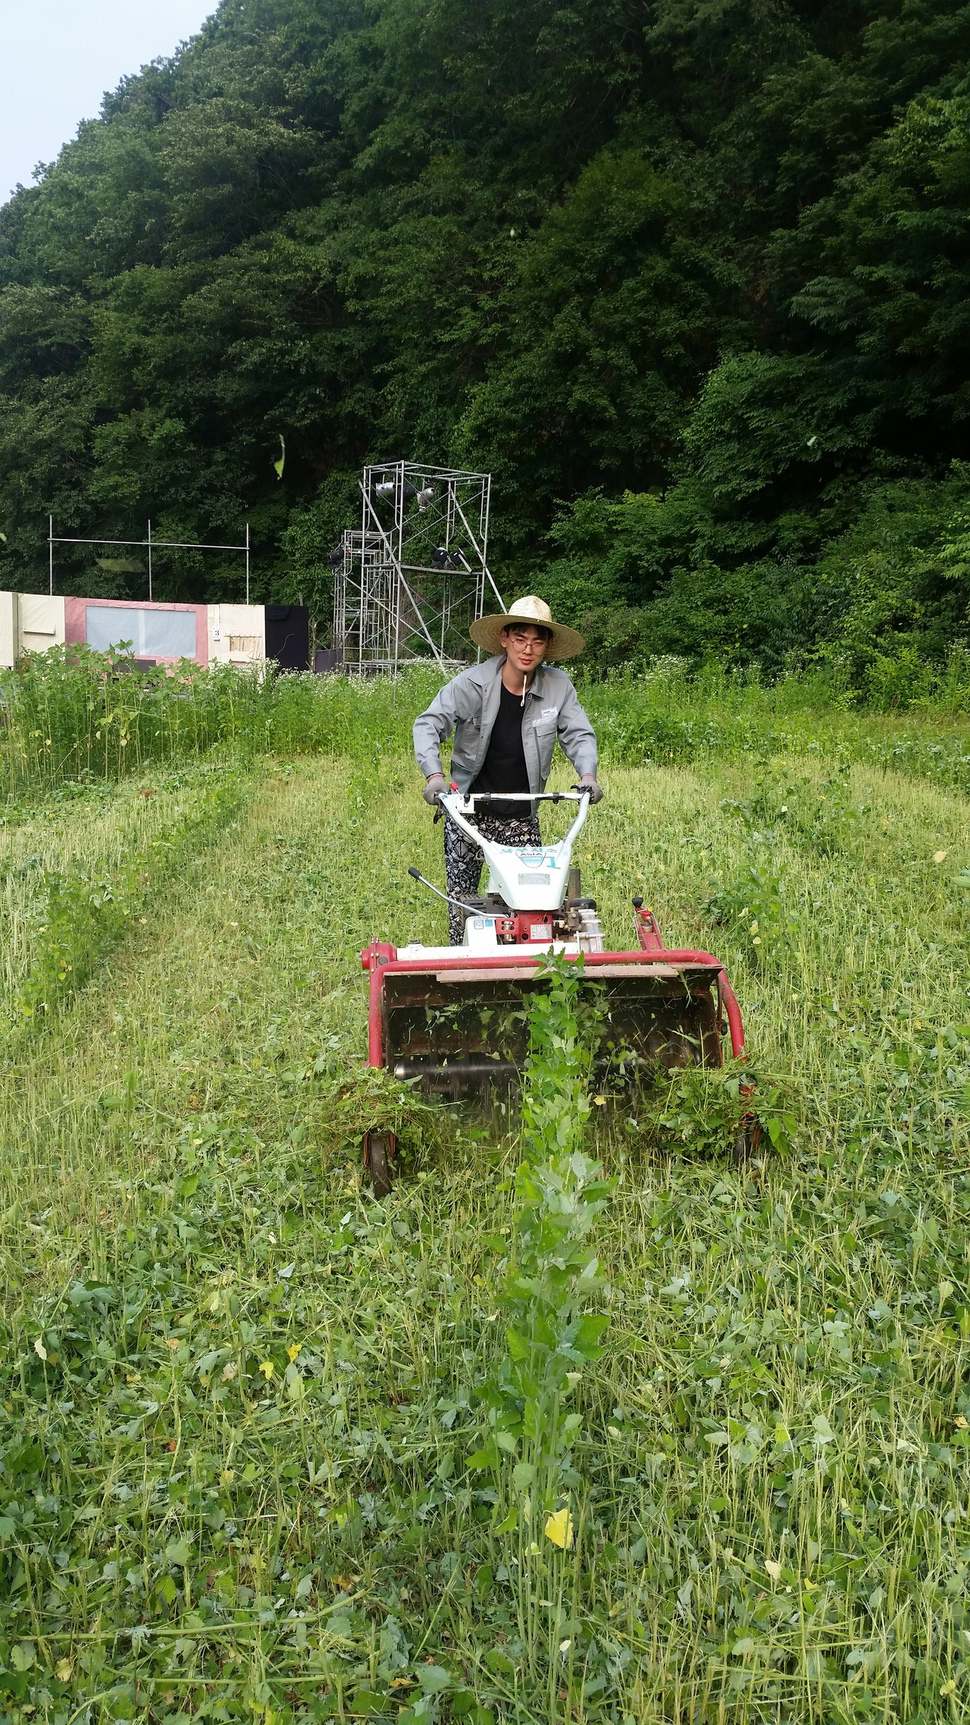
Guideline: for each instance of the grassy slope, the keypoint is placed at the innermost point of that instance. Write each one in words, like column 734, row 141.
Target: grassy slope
column 181, row 1206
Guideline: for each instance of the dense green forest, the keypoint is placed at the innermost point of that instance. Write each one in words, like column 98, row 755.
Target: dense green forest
column 690, row 277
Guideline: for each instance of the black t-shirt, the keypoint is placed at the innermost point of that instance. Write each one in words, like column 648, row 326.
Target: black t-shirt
column 504, row 768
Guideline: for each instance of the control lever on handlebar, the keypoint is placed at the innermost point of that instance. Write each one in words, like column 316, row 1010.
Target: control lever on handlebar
column 439, row 813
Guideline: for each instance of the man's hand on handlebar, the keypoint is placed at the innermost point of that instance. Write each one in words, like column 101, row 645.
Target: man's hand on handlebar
column 433, row 787
column 589, row 783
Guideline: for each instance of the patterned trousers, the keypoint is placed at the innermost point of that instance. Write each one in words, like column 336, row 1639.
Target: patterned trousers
column 464, row 860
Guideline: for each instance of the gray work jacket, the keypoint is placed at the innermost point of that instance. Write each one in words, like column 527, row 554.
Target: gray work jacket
column 469, row 705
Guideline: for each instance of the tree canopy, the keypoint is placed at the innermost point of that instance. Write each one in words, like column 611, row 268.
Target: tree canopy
column 690, row 277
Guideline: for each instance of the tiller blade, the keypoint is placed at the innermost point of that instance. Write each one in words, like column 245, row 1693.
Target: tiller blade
column 462, row 1030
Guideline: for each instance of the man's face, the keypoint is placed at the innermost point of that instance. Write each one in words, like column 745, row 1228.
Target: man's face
column 525, row 647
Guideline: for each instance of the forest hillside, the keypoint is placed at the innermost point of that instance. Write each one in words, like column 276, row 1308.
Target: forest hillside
column 690, row 277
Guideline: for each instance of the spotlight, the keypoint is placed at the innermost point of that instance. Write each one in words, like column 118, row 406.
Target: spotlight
column 441, row 557
column 337, row 557
column 385, row 488
column 425, row 496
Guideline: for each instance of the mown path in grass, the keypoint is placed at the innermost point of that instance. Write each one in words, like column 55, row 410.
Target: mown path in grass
column 243, row 1394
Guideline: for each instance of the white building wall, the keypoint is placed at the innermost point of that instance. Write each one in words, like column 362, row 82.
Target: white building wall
column 32, row 622
column 41, row 622
column 237, row 634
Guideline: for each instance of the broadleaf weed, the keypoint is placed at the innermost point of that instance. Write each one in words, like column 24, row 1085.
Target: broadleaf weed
column 752, row 905
column 552, row 1331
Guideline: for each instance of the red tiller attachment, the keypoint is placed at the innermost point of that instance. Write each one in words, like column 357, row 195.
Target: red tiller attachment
column 458, row 1023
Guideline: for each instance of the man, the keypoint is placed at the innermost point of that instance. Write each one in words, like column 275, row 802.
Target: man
column 506, row 714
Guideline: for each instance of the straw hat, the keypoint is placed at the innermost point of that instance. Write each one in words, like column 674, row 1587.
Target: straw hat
column 487, row 631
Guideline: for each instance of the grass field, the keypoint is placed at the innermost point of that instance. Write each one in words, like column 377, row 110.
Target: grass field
column 241, row 1398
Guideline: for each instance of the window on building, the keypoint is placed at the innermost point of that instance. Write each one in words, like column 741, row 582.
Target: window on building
column 153, row 634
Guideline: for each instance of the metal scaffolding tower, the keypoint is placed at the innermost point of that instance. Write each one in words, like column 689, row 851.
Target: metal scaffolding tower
column 409, row 582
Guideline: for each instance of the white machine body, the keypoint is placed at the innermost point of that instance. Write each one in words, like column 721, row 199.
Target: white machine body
column 525, row 878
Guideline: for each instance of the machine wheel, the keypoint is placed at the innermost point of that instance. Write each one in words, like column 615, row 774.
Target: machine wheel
column 380, row 1151
column 747, row 1140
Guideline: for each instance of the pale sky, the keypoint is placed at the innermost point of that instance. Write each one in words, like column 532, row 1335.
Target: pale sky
column 57, row 59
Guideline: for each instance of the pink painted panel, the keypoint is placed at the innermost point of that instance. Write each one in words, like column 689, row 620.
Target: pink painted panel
column 76, row 623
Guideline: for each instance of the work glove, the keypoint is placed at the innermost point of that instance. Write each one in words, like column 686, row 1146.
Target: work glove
column 595, row 789
column 433, row 788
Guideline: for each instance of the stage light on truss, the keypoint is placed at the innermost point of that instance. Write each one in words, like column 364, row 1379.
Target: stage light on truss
column 443, row 558
column 385, row 489
column 337, row 557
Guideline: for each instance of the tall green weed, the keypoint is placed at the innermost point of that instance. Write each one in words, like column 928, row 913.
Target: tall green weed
column 548, row 1291
column 71, row 716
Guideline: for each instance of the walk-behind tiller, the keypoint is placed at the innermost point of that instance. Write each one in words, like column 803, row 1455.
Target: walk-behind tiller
column 452, row 1018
